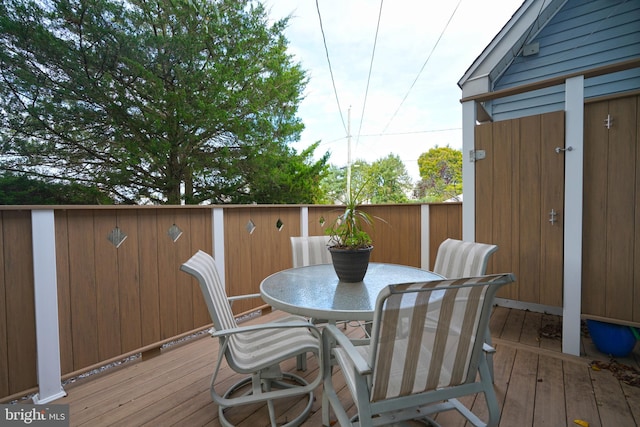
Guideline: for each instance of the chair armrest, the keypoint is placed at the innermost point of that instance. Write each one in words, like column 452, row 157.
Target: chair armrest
column 487, row 348
column 241, row 297
column 234, row 298
column 262, row 326
column 331, row 332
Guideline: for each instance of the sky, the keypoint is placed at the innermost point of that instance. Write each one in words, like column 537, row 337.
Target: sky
column 396, row 93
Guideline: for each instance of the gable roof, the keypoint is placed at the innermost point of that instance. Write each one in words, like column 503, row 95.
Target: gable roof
column 523, row 26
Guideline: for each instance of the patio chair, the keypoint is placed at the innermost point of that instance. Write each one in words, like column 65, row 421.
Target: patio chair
column 310, row 250
column 425, row 352
column 255, row 350
column 457, row 258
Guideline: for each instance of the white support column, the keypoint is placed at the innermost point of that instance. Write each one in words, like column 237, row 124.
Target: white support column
column 304, row 221
column 46, row 307
column 217, row 227
column 424, row 237
column 574, row 138
column 468, row 171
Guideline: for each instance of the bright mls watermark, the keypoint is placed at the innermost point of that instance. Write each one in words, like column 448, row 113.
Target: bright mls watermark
column 34, row 415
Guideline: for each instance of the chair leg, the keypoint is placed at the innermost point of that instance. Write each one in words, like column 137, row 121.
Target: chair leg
column 489, row 350
column 256, row 385
column 490, row 364
column 301, row 362
column 325, row 411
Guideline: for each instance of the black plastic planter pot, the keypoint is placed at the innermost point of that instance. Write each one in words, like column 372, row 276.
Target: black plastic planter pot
column 350, row 264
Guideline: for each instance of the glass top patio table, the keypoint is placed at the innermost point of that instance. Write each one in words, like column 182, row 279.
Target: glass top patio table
column 315, row 291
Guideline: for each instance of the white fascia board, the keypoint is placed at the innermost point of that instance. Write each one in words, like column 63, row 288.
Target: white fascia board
column 476, row 86
column 508, row 42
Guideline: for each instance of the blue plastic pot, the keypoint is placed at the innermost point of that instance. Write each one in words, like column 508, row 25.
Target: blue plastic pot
column 609, row 338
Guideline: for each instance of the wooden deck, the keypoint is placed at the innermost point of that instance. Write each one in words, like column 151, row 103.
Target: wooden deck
column 536, row 384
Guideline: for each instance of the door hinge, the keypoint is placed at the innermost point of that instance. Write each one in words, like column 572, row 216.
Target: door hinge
column 475, row 155
column 608, row 122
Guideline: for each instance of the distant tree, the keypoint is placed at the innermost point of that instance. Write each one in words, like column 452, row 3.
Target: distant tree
column 389, row 181
column 441, row 172
column 334, row 183
column 152, row 102
column 385, row 181
column 21, row 190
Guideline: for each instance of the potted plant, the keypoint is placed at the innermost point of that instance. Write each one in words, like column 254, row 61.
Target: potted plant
column 350, row 245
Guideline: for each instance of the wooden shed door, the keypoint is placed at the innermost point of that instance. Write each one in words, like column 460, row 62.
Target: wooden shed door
column 611, row 227
column 520, row 203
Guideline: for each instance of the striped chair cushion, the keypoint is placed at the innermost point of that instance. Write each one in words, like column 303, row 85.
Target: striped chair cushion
column 310, row 250
column 425, row 338
column 457, row 258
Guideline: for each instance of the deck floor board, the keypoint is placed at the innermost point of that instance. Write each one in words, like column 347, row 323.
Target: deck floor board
column 535, row 384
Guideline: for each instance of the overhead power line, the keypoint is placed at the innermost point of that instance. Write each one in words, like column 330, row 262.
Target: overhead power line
column 423, row 66
column 372, row 135
column 373, row 53
column 326, row 50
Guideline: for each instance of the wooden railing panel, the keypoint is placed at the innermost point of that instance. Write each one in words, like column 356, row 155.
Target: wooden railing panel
column 321, row 217
column 396, row 234
column 105, row 266
column 19, row 342
column 176, row 288
column 85, row 328
column 237, row 248
column 182, row 252
column 128, row 283
column 201, row 238
column 4, row 340
column 64, row 291
column 115, row 301
column 445, row 221
column 167, row 274
column 250, row 257
column 396, row 231
column 149, row 276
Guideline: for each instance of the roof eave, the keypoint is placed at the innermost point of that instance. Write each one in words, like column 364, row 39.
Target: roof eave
column 525, row 24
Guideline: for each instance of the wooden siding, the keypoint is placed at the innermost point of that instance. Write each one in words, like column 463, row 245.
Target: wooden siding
column 611, row 248
column 519, row 182
column 581, row 36
column 114, row 302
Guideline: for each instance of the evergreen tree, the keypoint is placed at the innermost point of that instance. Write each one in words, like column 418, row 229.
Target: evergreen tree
column 151, row 102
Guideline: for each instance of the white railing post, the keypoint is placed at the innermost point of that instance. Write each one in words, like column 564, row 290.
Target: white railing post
column 468, row 171
column 217, row 227
column 46, row 307
column 574, row 137
column 424, row 237
column 304, row 221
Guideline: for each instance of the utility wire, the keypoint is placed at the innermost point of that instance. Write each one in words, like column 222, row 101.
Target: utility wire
column 375, row 42
column 335, row 91
column 423, row 66
column 342, row 138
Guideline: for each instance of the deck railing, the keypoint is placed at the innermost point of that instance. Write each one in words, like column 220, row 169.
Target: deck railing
column 81, row 287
